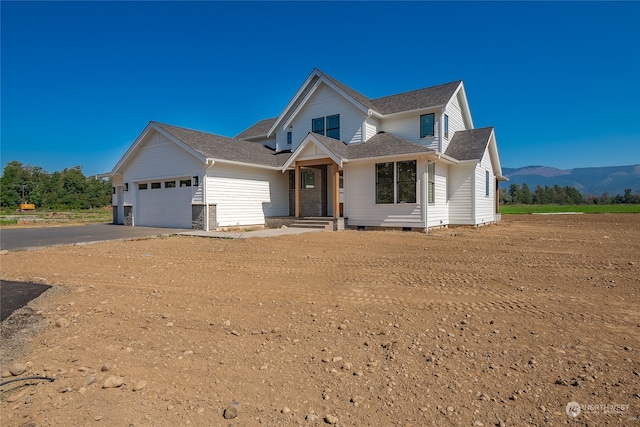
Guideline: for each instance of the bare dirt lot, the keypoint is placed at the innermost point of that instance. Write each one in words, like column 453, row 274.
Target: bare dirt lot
column 499, row 325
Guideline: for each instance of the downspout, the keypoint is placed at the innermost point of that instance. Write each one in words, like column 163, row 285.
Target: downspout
column 208, row 164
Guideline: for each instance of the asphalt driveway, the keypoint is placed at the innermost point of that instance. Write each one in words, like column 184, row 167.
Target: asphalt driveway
column 25, row 238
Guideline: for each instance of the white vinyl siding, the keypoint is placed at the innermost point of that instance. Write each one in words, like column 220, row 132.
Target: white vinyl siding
column 360, row 194
column 484, row 205
column 245, row 195
column 408, row 127
column 158, row 159
column 461, row 194
column 371, row 125
column 456, row 122
column 325, row 102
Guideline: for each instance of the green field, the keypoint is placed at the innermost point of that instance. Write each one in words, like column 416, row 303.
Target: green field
column 528, row 209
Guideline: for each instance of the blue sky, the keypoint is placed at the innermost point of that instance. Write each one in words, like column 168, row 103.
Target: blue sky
column 80, row 80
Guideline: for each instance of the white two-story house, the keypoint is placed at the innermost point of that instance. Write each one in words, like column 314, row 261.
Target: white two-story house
column 412, row 160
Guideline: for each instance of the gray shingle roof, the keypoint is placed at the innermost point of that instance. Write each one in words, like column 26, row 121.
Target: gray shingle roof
column 352, row 93
column 380, row 145
column 339, row 148
column 257, row 129
column 469, row 144
column 416, row 99
column 224, row 148
column 384, row 144
column 407, row 101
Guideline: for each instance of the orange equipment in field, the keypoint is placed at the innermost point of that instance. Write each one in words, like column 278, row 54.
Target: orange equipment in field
column 27, row 207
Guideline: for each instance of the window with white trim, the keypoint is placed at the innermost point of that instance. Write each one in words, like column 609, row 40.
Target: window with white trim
column 329, row 126
column 427, row 125
column 396, row 182
column 486, row 183
column 446, row 126
column 431, row 184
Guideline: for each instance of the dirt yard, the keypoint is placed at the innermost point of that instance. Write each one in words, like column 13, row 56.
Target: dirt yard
column 499, row 325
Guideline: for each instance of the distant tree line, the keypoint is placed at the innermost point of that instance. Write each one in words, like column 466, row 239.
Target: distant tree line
column 69, row 189
column 522, row 195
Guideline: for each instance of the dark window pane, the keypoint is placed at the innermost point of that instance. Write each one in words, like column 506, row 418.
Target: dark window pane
column 407, row 181
column 426, row 125
column 333, row 133
column 333, row 122
column 317, row 125
column 446, row 126
column 308, row 178
column 384, row 182
column 333, row 126
column 288, row 137
column 155, row 185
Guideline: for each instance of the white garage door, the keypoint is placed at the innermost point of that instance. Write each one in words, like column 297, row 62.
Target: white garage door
column 164, row 204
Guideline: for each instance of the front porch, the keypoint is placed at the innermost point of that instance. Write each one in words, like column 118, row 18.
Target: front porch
column 324, row 223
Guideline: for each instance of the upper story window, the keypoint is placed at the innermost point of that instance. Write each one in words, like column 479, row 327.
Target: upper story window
column 446, row 126
column 329, row 126
column 317, row 125
column 333, row 126
column 289, row 137
column 427, row 124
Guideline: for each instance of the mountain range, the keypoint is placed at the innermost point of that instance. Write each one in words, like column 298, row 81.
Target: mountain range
column 589, row 181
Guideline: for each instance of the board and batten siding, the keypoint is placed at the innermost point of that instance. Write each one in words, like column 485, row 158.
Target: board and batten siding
column 461, row 194
column 245, row 196
column 158, row 159
column 438, row 212
column 324, row 102
column 485, row 205
column 408, row 127
column 360, row 195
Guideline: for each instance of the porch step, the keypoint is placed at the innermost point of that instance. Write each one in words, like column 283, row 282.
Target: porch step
column 316, row 223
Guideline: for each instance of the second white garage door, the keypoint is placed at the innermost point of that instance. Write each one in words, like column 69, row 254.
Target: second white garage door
column 164, row 204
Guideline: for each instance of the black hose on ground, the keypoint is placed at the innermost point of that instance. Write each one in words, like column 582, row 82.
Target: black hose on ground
column 36, row 377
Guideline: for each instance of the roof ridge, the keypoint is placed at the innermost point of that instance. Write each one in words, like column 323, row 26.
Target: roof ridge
column 417, row 90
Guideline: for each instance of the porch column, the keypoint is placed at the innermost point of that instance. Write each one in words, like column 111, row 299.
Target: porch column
column 336, row 191
column 297, row 191
column 497, row 196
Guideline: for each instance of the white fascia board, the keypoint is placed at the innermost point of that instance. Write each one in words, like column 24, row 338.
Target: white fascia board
column 302, row 104
column 311, row 139
column 345, row 95
column 493, row 152
column 211, row 162
column 433, row 109
column 180, row 144
column 466, row 112
column 447, row 159
column 274, row 126
column 132, row 148
column 340, row 92
column 391, row 157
